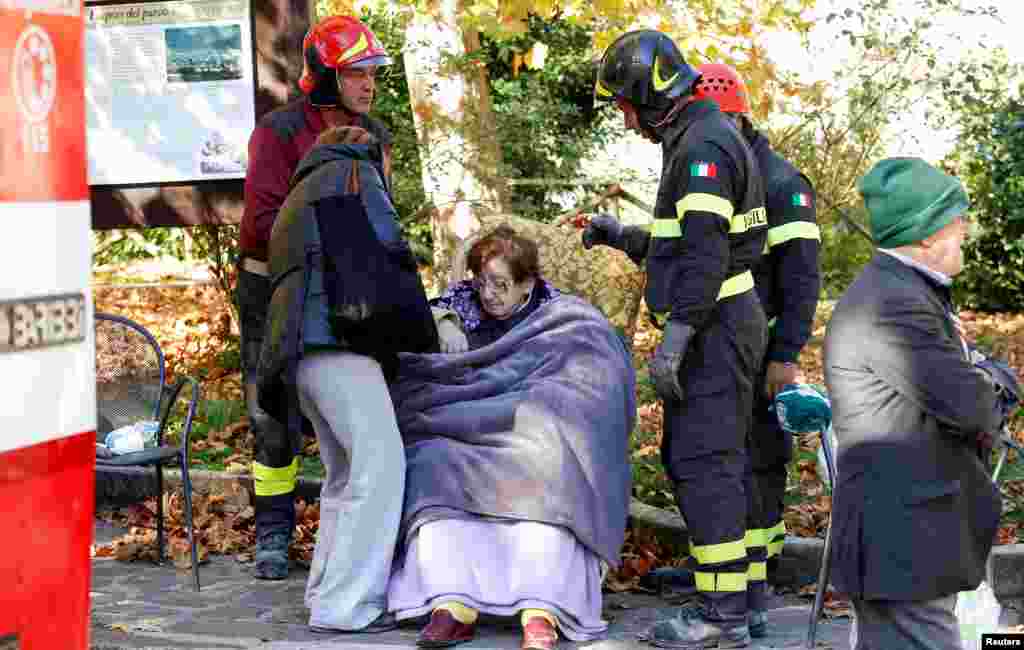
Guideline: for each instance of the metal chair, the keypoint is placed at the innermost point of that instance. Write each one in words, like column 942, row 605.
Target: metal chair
column 131, row 387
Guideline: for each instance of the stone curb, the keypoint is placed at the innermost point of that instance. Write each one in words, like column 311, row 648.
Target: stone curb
column 799, row 563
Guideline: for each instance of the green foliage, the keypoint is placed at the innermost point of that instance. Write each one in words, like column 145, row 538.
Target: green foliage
column 844, row 252
column 989, row 158
column 217, row 247
column 127, row 245
column 219, row 413
column 392, row 107
column 312, row 467
column 211, row 459
column 211, row 415
column 900, row 64
column 546, row 119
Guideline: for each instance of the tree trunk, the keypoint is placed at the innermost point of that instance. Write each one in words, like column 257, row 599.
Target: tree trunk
column 454, row 120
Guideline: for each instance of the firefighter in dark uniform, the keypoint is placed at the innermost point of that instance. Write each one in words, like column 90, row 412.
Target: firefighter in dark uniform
column 341, row 56
column 709, row 231
column 788, row 282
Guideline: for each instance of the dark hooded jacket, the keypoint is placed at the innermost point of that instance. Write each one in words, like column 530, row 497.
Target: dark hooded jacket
column 342, row 276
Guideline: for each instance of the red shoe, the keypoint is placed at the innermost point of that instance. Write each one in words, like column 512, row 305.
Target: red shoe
column 539, row 634
column 443, row 631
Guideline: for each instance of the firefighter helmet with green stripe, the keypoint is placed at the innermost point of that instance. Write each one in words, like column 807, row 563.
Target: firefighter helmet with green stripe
column 645, row 68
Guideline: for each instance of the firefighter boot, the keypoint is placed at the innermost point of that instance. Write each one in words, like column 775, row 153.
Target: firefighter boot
column 757, row 608
column 697, row 627
column 272, row 541
column 274, row 472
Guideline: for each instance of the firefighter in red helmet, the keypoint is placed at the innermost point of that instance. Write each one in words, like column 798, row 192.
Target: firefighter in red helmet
column 341, row 56
column 788, row 282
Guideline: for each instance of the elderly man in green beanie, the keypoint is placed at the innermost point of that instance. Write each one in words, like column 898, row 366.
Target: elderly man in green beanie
column 914, row 513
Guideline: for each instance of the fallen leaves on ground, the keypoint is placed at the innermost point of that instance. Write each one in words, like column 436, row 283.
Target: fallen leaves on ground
column 833, row 605
column 143, row 625
column 220, row 528
column 193, row 325
column 641, row 553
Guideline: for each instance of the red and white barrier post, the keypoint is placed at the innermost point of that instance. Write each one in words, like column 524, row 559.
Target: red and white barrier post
column 47, row 375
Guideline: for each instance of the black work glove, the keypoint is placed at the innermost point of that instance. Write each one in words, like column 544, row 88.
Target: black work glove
column 1004, row 380
column 668, row 357
column 606, row 230
column 603, row 229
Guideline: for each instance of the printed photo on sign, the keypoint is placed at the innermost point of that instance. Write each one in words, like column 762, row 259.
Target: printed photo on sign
column 208, row 53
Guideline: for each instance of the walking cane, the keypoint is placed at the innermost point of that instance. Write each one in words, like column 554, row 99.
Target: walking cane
column 819, row 594
column 1008, row 442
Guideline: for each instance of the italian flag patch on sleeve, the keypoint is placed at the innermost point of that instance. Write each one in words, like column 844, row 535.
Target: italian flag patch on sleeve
column 801, row 200
column 705, row 169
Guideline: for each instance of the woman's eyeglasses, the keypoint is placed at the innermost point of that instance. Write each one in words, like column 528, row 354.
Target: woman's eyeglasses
column 497, row 285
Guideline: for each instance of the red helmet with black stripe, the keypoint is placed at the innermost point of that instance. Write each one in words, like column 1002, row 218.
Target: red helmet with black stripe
column 336, row 43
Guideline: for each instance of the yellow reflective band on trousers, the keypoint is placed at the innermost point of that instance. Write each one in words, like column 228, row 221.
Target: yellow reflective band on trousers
column 720, row 581
column 271, row 481
column 719, row 553
column 733, row 286
column 793, row 230
column 666, row 229
column 757, row 571
column 756, row 537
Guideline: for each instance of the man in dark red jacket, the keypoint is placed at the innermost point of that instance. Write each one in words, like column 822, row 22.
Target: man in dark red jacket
column 341, row 57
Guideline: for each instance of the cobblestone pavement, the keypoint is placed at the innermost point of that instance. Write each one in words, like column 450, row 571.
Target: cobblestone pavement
column 139, row 605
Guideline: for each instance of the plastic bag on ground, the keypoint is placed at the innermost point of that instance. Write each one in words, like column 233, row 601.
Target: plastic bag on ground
column 977, row 612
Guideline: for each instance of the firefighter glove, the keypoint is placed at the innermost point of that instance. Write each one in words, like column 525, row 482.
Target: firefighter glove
column 603, row 229
column 667, row 359
column 1004, row 380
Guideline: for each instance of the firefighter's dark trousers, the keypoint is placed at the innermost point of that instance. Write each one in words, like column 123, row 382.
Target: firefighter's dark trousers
column 704, row 450
column 275, row 462
column 771, row 449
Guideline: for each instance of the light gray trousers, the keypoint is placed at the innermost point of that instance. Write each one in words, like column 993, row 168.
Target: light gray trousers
column 905, row 625
column 345, row 397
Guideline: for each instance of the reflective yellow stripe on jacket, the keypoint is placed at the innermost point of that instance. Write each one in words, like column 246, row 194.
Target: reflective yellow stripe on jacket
column 733, row 286
column 738, row 223
column 793, row 230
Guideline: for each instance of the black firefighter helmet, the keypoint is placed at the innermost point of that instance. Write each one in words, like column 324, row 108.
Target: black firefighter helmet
column 646, row 68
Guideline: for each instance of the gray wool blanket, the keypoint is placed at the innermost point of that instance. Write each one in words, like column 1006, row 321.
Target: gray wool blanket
column 533, row 427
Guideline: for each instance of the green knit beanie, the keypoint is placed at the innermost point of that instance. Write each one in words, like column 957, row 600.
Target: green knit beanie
column 908, row 200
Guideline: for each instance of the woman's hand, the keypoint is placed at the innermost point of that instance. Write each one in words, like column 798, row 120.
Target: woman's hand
column 452, row 337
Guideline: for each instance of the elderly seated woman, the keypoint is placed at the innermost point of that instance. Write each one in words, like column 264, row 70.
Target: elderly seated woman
column 518, row 479
column 505, row 289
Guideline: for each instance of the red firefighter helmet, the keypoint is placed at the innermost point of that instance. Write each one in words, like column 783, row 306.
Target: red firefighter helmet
column 723, row 85
column 334, row 43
